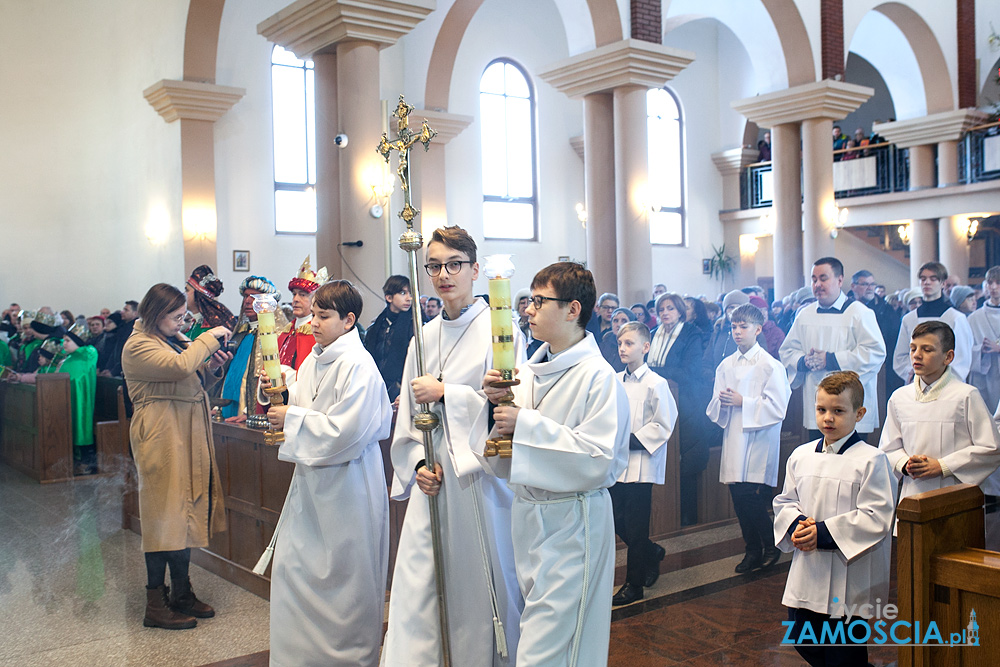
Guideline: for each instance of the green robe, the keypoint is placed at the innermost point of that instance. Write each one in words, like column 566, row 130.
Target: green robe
column 82, row 369
column 27, row 349
column 5, row 357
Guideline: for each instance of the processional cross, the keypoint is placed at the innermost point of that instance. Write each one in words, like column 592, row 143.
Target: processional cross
column 425, row 420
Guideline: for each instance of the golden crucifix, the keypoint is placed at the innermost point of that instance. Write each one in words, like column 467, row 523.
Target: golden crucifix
column 402, row 144
column 426, row 420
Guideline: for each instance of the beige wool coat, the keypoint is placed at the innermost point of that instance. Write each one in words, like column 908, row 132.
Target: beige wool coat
column 180, row 497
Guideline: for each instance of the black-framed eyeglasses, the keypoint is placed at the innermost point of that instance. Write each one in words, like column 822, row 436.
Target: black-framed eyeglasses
column 538, row 300
column 452, row 267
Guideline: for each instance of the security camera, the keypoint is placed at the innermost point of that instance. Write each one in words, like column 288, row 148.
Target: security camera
column 341, row 140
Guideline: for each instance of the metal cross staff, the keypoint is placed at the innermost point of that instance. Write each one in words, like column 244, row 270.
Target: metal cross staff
column 425, row 421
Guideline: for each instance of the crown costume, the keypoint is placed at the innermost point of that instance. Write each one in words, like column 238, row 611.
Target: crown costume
column 308, row 280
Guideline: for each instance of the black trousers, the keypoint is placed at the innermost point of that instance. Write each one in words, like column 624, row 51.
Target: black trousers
column 156, row 566
column 631, row 504
column 819, row 655
column 751, row 502
column 689, row 499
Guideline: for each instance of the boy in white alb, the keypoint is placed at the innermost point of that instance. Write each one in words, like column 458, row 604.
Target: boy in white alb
column 569, row 427
column 935, row 306
column 938, row 431
column 654, row 414
column 332, row 550
column 749, row 402
column 985, row 324
column 834, row 514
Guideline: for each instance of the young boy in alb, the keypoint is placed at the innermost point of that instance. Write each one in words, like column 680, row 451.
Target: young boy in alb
column 569, row 427
column 654, row 414
column 749, row 402
column 835, row 515
column 332, row 551
column 985, row 323
column 938, row 431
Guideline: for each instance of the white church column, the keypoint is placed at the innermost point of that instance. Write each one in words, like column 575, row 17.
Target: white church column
column 348, row 94
column 953, row 246
column 627, row 69
column 786, row 174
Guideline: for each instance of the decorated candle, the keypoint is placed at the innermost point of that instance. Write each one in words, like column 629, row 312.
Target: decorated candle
column 499, row 269
column 265, row 306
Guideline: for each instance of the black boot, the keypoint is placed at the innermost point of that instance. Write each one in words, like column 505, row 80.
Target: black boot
column 159, row 615
column 183, row 600
column 751, row 561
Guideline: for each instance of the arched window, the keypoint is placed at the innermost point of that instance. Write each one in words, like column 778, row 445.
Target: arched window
column 293, row 106
column 665, row 130
column 507, row 115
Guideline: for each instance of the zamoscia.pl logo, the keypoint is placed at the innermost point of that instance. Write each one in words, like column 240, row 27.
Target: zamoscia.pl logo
column 851, row 629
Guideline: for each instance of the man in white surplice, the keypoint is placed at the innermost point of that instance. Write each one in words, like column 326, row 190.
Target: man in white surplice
column 938, row 431
column 332, row 550
column 482, row 597
column 935, row 306
column 570, row 432
column 833, row 334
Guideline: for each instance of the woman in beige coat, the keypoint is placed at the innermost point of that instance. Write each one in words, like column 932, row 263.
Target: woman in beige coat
column 180, row 498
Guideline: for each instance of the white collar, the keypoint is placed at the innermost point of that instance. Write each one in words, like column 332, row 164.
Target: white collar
column 348, row 343
column 567, row 358
column 835, row 446
column 751, row 354
column 838, row 303
column 637, row 376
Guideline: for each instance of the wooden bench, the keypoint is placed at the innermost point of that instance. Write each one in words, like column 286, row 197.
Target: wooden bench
column 36, row 428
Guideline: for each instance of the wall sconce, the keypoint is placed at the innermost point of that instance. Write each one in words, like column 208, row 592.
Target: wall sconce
column 199, row 223
column 904, row 233
column 383, row 186
column 972, row 228
column 839, row 220
column 581, row 214
column 157, row 226
column 749, row 244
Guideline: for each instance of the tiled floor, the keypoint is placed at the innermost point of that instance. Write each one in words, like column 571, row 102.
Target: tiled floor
column 71, row 586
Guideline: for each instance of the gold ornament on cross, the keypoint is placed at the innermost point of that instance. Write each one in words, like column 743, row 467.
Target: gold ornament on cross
column 405, row 138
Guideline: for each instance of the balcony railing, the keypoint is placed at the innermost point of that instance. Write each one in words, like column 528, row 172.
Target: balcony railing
column 979, row 154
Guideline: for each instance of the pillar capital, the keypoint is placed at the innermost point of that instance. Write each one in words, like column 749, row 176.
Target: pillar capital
column 307, row 27
column 827, row 99
column 448, row 125
column 577, row 143
column 932, row 129
column 191, row 100
column 628, row 62
column 733, row 160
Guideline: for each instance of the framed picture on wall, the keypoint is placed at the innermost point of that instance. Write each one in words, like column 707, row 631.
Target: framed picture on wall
column 241, row 260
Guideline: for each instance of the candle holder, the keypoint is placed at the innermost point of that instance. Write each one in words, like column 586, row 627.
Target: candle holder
column 265, row 305
column 499, row 269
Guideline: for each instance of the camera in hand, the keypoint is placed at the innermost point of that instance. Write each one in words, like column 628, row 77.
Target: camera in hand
column 227, row 345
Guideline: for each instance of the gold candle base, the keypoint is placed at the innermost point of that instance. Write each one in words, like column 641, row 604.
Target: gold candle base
column 504, row 445
column 274, row 438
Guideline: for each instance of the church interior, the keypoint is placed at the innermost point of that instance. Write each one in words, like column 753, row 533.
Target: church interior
column 622, row 134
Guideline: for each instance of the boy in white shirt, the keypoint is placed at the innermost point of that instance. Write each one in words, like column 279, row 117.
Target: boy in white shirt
column 985, row 324
column 834, row 514
column 654, row 414
column 749, row 402
column 938, row 432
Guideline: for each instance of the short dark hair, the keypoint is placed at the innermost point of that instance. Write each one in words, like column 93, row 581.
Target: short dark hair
column 341, row 296
column 834, row 263
column 937, row 268
column 678, row 301
column 159, row 300
column 863, row 273
column 135, row 304
column 456, row 238
column 748, row 313
column 571, row 281
column 434, row 299
column 937, row 328
column 395, row 284
column 838, row 382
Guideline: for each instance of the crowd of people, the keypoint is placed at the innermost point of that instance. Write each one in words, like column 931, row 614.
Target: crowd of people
column 529, row 554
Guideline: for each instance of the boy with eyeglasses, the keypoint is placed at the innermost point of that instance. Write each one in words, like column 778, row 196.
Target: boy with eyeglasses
column 935, row 306
column 570, row 432
column 484, row 603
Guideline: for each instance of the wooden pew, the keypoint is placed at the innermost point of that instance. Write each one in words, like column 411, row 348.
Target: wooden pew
column 944, row 573
column 36, row 428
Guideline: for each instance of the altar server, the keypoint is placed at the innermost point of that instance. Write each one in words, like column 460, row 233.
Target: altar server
column 653, row 415
column 483, row 601
column 985, row 324
column 570, row 431
column 834, row 515
column 332, row 551
column 935, row 306
column 938, row 432
column 749, row 402
column 833, row 334
column 296, row 342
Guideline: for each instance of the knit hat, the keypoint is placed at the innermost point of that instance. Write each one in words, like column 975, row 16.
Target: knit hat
column 734, row 298
column 914, row 293
column 960, row 293
column 757, row 301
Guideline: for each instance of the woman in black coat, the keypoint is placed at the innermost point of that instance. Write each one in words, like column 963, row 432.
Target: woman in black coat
column 677, row 353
